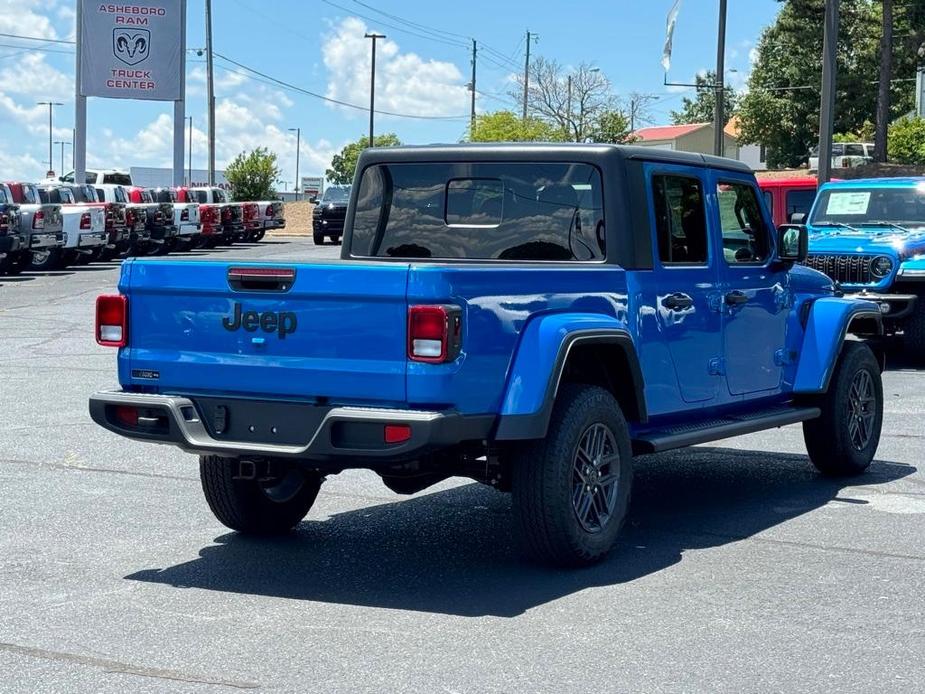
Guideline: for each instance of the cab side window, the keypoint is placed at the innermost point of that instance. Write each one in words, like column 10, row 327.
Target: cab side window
column 680, row 220
column 745, row 236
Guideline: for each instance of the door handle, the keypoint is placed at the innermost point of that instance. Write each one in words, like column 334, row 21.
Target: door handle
column 677, row 301
column 736, row 297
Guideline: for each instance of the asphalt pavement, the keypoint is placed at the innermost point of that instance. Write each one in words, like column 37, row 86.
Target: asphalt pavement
column 740, row 569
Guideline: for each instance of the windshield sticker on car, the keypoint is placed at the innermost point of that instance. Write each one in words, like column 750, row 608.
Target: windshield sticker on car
column 848, row 203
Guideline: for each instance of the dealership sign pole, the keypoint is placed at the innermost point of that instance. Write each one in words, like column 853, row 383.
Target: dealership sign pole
column 128, row 51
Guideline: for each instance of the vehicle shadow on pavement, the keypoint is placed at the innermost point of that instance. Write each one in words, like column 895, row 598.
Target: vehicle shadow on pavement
column 451, row 551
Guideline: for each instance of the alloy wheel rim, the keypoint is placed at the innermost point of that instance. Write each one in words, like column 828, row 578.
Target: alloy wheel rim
column 595, row 478
column 40, row 257
column 861, row 410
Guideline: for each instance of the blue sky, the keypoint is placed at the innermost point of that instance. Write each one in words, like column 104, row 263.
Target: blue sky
column 320, row 47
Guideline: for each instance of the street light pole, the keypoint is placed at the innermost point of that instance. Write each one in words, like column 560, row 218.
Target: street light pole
column 189, row 180
column 298, row 146
column 62, row 143
column 372, row 85
column 210, row 88
column 719, row 119
column 568, row 108
column 50, row 105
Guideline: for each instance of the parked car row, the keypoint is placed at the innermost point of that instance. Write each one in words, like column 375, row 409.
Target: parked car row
column 56, row 223
column 868, row 237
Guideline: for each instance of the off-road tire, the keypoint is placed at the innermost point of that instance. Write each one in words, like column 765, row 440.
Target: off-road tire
column 258, row 235
column 243, row 505
column 318, row 238
column 543, row 481
column 914, row 332
column 829, row 437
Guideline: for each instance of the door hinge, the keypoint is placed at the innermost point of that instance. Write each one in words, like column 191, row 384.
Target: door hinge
column 717, row 366
column 784, row 357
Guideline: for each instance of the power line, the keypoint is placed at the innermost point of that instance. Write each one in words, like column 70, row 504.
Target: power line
column 302, row 90
column 29, row 49
column 445, row 41
column 35, row 38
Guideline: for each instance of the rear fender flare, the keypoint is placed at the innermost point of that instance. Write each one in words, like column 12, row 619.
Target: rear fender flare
column 542, row 354
column 828, row 323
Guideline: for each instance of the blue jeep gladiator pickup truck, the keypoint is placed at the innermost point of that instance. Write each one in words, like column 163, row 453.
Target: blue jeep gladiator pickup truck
column 528, row 316
column 869, row 236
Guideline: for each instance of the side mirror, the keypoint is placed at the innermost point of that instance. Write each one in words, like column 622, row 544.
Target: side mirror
column 313, row 199
column 798, row 218
column 792, row 243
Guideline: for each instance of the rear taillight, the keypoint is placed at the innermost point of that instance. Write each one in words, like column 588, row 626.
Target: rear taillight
column 226, row 214
column 270, row 211
column 38, row 220
column 85, row 220
column 184, row 215
column 112, row 320
column 434, row 333
column 4, row 223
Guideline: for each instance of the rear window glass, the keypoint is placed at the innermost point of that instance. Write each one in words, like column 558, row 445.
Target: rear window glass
column 800, row 201
column 503, row 211
column 4, row 198
column 30, row 195
column 116, row 179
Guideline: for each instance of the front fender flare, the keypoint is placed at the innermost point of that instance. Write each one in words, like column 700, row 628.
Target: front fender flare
column 533, row 380
column 827, row 325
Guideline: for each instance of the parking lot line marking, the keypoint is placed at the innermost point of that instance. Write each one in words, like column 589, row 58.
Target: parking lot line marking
column 122, row 668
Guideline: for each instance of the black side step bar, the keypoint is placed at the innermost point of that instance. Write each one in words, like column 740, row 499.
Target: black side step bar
column 668, row 438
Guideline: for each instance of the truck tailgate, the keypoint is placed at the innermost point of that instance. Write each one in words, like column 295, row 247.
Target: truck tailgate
column 338, row 332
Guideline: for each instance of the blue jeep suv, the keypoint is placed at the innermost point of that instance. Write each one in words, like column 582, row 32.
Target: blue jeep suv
column 528, row 316
column 869, row 236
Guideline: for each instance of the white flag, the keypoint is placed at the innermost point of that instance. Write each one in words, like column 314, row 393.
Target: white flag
column 669, row 33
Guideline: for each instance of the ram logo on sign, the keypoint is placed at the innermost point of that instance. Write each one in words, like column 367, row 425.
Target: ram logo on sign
column 132, row 51
column 131, row 46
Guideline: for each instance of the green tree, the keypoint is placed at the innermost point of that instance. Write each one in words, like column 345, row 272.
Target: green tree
column 252, row 175
column 907, row 141
column 506, row 126
column 344, row 164
column 781, row 109
column 612, row 126
column 700, row 108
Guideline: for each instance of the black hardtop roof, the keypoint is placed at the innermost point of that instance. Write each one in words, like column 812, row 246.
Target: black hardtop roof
column 546, row 151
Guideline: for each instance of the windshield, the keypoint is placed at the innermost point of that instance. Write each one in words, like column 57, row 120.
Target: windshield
column 336, row 194
column 219, row 195
column 504, row 211
column 164, row 195
column 200, row 196
column 859, row 206
column 146, row 196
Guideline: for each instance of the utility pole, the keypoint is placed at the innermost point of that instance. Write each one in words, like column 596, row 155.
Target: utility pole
column 719, row 118
column 827, row 107
column 883, row 91
column 526, row 75
column 50, row 105
column 210, row 97
column 472, row 86
column 189, row 175
column 62, row 143
column 74, row 149
column 372, row 86
column 298, row 146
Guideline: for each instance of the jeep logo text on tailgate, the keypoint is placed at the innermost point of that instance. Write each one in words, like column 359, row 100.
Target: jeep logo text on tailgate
column 282, row 323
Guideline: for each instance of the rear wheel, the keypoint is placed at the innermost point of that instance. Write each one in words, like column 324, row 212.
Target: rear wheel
column 15, row 263
column 258, row 235
column 270, row 503
column 843, row 440
column 571, row 490
column 318, row 238
column 91, row 257
column 46, row 259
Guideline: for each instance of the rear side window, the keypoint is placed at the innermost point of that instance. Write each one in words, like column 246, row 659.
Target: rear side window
column 680, row 220
column 4, row 198
column 502, row 211
column 745, row 237
column 800, row 201
column 769, row 201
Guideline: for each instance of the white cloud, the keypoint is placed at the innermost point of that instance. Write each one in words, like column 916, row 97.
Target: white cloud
column 405, row 82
